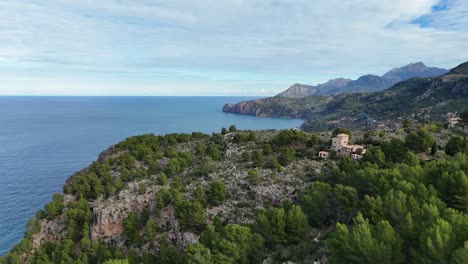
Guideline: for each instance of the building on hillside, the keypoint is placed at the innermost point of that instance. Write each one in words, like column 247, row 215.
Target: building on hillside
column 341, row 145
column 323, row 154
column 453, row 119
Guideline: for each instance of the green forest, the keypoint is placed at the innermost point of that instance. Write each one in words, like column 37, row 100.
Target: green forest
column 406, row 201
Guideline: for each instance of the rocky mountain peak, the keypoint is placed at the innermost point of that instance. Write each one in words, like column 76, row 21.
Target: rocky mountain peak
column 298, row 90
column 417, row 69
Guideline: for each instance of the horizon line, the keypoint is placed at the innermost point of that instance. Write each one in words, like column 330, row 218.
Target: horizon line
column 55, row 95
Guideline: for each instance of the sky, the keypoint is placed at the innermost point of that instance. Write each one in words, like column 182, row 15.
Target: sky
column 223, row 47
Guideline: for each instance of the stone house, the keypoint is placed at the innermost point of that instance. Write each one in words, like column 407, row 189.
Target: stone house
column 341, row 145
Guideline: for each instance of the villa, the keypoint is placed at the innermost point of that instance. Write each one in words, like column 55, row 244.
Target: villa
column 341, row 145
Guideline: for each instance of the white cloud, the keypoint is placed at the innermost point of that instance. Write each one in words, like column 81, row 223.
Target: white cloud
column 196, row 46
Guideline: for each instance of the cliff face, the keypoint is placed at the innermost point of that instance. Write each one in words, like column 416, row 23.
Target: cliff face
column 244, row 108
column 269, row 107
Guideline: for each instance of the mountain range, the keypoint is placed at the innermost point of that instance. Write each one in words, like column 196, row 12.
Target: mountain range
column 365, row 83
column 419, row 98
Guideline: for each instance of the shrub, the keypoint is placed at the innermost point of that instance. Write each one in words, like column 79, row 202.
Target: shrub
column 217, row 193
column 254, row 177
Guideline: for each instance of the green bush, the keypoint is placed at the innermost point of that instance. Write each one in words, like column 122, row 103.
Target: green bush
column 288, row 137
column 420, row 141
column 217, row 193
column 456, row 145
column 254, row 177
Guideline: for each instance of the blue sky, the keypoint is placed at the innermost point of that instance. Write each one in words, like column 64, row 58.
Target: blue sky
column 224, row 47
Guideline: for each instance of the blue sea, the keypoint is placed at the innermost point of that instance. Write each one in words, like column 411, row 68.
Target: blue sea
column 44, row 140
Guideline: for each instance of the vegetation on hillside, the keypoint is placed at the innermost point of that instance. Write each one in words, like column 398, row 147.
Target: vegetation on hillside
column 405, row 202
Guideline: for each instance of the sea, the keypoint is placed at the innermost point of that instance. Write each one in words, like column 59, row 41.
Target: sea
column 44, row 140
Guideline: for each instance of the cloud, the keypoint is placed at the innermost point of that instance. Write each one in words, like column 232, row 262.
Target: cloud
column 194, row 47
column 448, row 15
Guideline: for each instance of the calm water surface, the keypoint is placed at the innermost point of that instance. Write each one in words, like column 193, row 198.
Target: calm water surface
column 43, row 140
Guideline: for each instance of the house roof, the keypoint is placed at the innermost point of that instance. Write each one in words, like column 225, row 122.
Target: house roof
column 342, row 135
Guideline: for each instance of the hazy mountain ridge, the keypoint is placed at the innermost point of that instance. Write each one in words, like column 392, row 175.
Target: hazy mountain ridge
column 365, row 83
column 418, row 97
column 413, row 70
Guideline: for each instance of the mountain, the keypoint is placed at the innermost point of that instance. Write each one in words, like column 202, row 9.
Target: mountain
column 298, row 90
column 366, row 83
column 461, row 69
column 333, row 86
column 412, row 70
column 430, row 98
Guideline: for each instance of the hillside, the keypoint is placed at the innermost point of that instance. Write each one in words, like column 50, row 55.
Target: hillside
column 416, row 98
column 366, row 83
column 258, row 197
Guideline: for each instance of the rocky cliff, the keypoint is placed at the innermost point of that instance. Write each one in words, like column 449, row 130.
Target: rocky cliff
column 245, row 108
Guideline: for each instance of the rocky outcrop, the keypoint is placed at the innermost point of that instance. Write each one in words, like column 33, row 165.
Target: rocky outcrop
column 108, row 222
column 244, row 108
column 109, row 214
column 50, row 231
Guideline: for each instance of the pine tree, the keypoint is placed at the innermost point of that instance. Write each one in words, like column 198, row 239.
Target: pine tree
column 197, row 253
column 365, row 244
column 258, row 158
column 434, row 148
column 297, row 225
column 217, row 193
column 131, row 229
column 435, row 243
column 464, row 116
column 278, row 225
column 150, row 230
